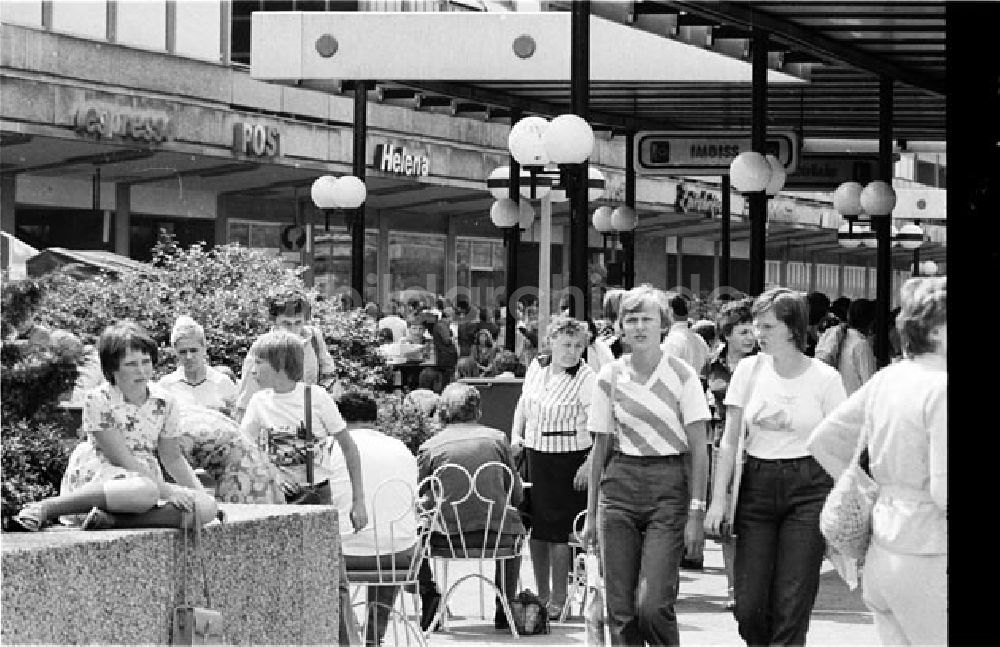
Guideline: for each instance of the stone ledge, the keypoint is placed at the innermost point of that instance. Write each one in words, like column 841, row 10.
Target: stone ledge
column 272, row 573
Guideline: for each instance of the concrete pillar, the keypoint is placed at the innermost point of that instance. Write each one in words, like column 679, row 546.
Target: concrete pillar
column 450, row 262
column 382, row 259
column 123, row 217
column 8, row 182
column 680, row 261
column 715, row 266
column 307, row 256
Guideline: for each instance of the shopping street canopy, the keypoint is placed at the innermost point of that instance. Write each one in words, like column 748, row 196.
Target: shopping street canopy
column 654, row 65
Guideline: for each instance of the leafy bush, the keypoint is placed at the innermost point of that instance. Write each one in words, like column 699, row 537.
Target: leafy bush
column 34, row 459
column 225, row 289
column 32, row 381
column 408, row 425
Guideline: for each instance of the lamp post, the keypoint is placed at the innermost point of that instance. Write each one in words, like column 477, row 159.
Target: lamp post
column 536, row 145
column 345, row 193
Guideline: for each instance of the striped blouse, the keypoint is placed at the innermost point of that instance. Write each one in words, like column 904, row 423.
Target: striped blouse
column 649, row 417
column 555, row 408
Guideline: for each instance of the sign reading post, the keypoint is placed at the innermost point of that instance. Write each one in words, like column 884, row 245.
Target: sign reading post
column 685, row 152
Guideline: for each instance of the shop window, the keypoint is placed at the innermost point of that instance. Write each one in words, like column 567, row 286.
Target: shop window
column 416, row 261
column 261, row 235
column 332, row 262
column 480, row 266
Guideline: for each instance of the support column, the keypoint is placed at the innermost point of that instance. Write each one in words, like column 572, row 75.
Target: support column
column 724, row 243
column 512, row 238
column 8, row 223
column 812, row 272
column 307, row 256
column 357, row 225
column 382, row 259
column 758, row 120
column 840, row 275
column 883, row 234
column 545, row 264
column 628, row 238
column 450, row 264
column 123, row 217
column 715, row 266
column 580, row 100
column 680, row 262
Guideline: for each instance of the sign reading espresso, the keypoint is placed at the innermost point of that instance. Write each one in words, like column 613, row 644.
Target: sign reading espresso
column 396, row 159
column 256, row 139
column 122, row 123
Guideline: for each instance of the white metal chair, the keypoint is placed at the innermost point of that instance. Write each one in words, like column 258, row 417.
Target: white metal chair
column 456, row 546
column 577, row 585
column 391, row 569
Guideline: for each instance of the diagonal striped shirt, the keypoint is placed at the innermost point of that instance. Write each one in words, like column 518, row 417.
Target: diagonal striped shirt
column 649, row 417
column 555, row 407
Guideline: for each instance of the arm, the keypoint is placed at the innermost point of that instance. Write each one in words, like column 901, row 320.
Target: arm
column 833, row 441
column 724, row 470
column 517, row 427
column 175, row 464
column 697, row 444
column 937, row 424
column 326, row 368
column 864, row 359
column 517, row 489
column 598, row 456
column 359, row 516
column 247, row 386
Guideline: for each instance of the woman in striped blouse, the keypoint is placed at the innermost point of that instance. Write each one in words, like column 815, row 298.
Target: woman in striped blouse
column 649, row 471
column 550, row 425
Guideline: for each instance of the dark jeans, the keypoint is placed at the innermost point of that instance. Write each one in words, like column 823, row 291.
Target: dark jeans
column 643, row 511
column 779, row 548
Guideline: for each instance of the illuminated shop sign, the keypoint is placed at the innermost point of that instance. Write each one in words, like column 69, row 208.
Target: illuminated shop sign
column 396, row 159
column 111, row 123
column 256, row 139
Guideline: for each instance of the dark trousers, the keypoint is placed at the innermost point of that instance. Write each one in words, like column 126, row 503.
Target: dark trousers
column 643, row 511
column 505, row 574
column 379, row 599
column 779, row 548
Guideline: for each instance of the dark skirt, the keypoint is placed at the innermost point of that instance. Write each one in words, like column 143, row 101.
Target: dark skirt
column 554, row 501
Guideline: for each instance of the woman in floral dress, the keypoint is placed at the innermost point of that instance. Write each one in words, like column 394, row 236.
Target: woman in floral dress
column 209, row 438
column 132, row 429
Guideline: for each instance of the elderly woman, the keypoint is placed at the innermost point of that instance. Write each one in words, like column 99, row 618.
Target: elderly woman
column 291, row 312
column 114, row 478
column 210, row 439
column 649, row 470
column 550, row 426
column 782, row 394
column 905, row 409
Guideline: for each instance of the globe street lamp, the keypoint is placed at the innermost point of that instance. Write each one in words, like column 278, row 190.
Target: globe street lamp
column 346, row 193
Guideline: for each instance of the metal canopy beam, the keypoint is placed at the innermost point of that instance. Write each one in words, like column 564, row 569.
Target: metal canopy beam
column 810, row 40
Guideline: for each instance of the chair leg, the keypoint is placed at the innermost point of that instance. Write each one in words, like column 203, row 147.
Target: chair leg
column 442, row 610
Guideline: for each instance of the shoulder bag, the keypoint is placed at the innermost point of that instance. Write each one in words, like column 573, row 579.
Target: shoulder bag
column 193, row 625
column 311, row 493
column 846, row 517
column 740, row 459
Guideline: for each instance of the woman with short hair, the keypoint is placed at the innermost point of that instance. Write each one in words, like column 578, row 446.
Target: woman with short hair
column 114, row 477
column 782, row 394
column 550, row 426
column 906, row 409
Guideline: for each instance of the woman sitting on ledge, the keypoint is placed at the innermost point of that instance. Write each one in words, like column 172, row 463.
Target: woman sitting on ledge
column 132, row 429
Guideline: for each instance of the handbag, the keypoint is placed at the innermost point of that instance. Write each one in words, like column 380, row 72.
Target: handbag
column 728, row 521
column 846, row 517
column 193, row 625
column 529, row 614
column 311, row 493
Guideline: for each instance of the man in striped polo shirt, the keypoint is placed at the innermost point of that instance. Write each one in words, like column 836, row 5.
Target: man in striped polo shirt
column 648, row 417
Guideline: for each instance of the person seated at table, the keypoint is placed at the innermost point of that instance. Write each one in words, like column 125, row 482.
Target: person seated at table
column 114, row 477
column 463, row 441
column 388, row 348
column 506, row 366
column 391, row 533
column 483, row 349
column 290, row 311
column 466, row 367
column 413, row 347
column 209, row 438
column 423, row 400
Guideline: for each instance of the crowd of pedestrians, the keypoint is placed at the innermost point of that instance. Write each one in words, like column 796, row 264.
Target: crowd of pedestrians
column 639, row 419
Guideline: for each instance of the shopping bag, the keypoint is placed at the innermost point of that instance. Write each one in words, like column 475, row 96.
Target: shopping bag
column 595, row 611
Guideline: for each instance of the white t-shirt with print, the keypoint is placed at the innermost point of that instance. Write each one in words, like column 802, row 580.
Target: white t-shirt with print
column 282, row 413
column 782, row 412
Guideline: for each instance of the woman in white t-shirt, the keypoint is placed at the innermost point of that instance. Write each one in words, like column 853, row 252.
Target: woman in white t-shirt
column 209, row 438
column 783, row 394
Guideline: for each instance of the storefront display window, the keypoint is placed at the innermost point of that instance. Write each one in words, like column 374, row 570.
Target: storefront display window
column 261, row 235
column 416, row 261
column 480, row 268
column 332, row 261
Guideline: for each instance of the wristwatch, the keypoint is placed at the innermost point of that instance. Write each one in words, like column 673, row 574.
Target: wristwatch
column 697, row 505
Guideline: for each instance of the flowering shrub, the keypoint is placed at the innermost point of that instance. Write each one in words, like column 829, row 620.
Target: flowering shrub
column 407, row 424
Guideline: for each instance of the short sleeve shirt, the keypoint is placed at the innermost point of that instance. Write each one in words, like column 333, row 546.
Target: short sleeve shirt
column 556, row 407
column 214, row 392
column 782, row 412
column 141, row 427
column 649, row 417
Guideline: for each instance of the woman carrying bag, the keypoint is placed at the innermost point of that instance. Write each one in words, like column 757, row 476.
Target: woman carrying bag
column 782, row 395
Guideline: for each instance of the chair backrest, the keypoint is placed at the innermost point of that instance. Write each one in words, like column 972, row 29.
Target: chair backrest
column 465, row 509
column 408, row 515
column 578, row 524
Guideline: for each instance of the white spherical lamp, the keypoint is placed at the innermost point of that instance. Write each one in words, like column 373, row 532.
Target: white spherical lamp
column 910, row 236
column 349, row 192
column 846, row 237
column 749, row 172
column 928, row 268
column 323, row 193
column 498, row 182
column 569, row 139
column 624, row 218
column 847, row 199
column 595, row 184
column 878, row 198
column 525, row 141
column 602, row 219
column 505, row 213
column 525, row 214
column 777, row 181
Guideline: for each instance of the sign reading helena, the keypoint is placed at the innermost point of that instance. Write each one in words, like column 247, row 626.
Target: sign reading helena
column 396, row 159
column 706, row 152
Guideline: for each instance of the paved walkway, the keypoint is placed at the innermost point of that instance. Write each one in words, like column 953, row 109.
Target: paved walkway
column 839, row 617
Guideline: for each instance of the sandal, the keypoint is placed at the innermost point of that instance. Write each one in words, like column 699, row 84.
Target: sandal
column 98, row 519
column 32, row 517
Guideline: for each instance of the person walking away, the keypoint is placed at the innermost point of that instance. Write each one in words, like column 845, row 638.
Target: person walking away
column 905, row 409
column 779, row 549
column 651, row 494
column 681, row 341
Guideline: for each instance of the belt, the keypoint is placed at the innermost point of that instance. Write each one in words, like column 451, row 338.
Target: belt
column 629, row 458
column 547, row 434
column 779, row 461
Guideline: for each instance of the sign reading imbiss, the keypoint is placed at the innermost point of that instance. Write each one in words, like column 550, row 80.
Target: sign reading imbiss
column 706, row 152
